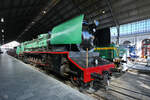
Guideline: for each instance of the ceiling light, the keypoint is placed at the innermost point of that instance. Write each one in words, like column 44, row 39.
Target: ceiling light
column 44, row 12
column 2, row 30
column 2, row 19
column 26, row 29
column 33, row 22
column 103, row 11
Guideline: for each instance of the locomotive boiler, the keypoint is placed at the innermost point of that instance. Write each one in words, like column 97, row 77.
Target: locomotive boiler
column 67, row 50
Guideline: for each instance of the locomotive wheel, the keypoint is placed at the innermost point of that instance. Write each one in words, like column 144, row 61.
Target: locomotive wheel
column 75, row 81
column 64, row 69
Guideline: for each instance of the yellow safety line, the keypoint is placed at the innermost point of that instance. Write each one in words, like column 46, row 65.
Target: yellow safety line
column 105, row 48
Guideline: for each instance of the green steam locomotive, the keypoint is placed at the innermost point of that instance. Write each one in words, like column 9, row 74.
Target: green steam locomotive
column 67, row 50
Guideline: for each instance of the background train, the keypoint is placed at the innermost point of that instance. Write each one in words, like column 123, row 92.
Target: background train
column 68, row 51
column 116, row 54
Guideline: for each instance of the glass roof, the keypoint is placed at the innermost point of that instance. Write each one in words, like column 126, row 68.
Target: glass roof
column 132, row 28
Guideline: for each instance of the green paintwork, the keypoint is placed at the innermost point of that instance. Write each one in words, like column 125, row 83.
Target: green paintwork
column 123, row 51
column 69, row 32
column 43, row 35
column 109, row 54
column 43, row 43
column 22, row 47
column 40, row 42
column 18, row 50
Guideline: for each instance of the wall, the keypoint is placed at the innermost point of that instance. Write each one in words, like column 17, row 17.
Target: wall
column 135, row 39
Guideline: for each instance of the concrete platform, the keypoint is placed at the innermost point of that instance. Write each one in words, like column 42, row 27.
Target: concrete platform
column 20, row 82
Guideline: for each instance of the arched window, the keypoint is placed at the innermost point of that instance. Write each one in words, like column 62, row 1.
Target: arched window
column 146, row 47
column 126, row 43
